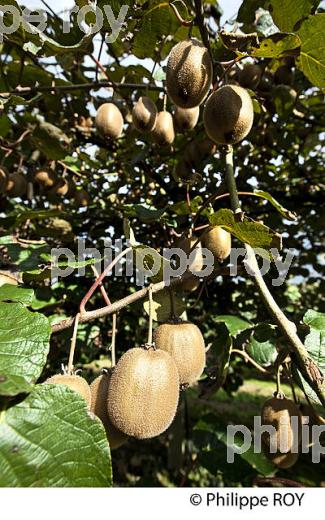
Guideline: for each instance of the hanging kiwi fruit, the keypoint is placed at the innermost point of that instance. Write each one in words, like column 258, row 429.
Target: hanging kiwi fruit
column 250, row 76
column 76, row 383
column 191, row 246
column 60, row 189
column 16, row 185
column 279, row 412
column 3, row 179
column 228, row 115
column 81, row 198
column 144, row 114
column 99, row 393
column 143, row 392
column 186, row 118
column 109, row 121
column 185, row 343
column 284, row 75
column 189, row 73
column 163, row 132
column 218, row 241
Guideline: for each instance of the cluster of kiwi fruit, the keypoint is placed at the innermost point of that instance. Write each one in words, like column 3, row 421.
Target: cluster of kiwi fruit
column 139, row 396
column 216, row 239
column 48, row 183
column 283, row 449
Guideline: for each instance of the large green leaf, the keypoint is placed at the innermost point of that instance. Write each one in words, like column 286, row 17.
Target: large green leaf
column 12, row 293
column 51, row 440
column 315, row 340
column 255, row 234
column 275, row 46
column 283, row 211
column 24, row 345
column 287, row 14
column 312, row 55
column 261, row 346
column 234, row 324
column 162, row 306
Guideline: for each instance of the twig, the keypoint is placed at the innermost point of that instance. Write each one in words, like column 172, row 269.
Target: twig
column 200, row 22
column 249, row 360
column 150, row 343
column 73, row 344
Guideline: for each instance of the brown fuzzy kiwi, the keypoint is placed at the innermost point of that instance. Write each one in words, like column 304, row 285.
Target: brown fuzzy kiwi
column 266, row 82
column 60, row 189
column 184, row 170
column 46, row 178
column 76, row 383
column 143, row 393
column 283, row 460
column 218, row 241
column 81, row 198
column 99, row 391
column 250, row 76
column 16, row 185
column 278, row 413
column 284, row 75
column 144, row 114
column 185, row 343
column 189, row 73
column 197, row 151
column 228, row 115
column 192, row 282
column 164, row 133
column 186, row 118
column 6, row 277
column 109, row 121
column 3, row 179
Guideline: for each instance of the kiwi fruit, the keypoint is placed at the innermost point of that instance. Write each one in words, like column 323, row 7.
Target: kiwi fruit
column 266, row 82
column 6, row 277
column 197, row 151
column 3, row 178
column 143, row 393
column 192, row 282
column 81, row 198
column 60, row 189
column 218, row 241
column 278, row 412
column 284, row 75
column 46, row 178
column 16, row 185
column 144, row 114
column 186, row 118
column 250, row 76
column 76, row 383
column 99, row 391
column 185, row 343
column 283, row 460
column 228, row 115
column 189, row 73
column 184, row 170
column 163, row 132
column 109, row 121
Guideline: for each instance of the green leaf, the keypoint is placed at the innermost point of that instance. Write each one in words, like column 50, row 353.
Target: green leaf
column 255, row 234
column 27, row 257
column 312, row 55
column 24, row 345
column 51, row 440
column 287, row 14
column 150, row 262
column 234, row 324
column 221, row 349
column 315, row 340
column 248, row 9
column 182, row 208
column 275, row 46
column 144, row 212
column 261, row 346
column 283, row 211
column 162, row 308
column 11, row 293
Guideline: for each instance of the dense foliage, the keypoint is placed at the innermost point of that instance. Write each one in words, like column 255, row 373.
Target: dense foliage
column 47, row 437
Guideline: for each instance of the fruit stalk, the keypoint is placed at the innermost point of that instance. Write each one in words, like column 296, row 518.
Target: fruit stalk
column 306, row 365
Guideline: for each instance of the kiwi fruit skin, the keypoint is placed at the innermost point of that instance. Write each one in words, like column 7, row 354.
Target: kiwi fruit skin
column 109, row 121
column 46, row 178
column 81, row 198
column 278, row 412
column 189, row 73
column 163, row 132
column 284, row 76
column 192, row 282
column 60, row 189
column 76, row 383
column 16, row 185
column 144, row 114
column 250, row 76
column 185, row 343
column 3, row 178
column 228, row 115
column 197, row 151
column 143, row 393
column 99, row 391
column 283, row 460
column 186, row 118
column 218, row 241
